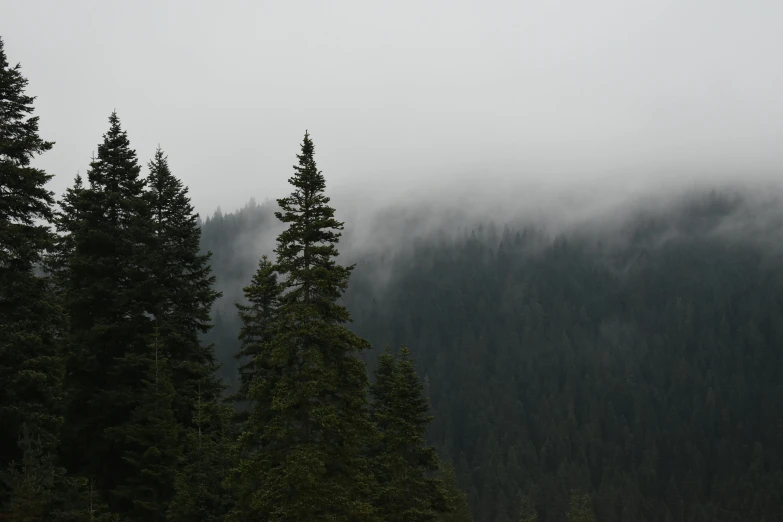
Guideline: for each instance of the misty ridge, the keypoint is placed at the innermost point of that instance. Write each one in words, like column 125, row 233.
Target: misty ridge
column 614, row 340
column 608, row 217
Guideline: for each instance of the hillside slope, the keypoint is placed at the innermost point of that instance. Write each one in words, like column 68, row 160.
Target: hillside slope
column 639, row 360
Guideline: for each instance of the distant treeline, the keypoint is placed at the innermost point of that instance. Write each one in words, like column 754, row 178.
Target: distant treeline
column 640, row 363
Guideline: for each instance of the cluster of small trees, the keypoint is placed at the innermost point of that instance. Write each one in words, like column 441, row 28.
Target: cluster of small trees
column 110, row 403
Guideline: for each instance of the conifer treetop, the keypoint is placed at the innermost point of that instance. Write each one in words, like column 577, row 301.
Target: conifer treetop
column 306, row 251
column 19, row 139
column 24, row 198
column 114, row 152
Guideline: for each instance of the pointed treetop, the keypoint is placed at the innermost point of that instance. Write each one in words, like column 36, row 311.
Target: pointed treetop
column 115, row 132
column 306, row 251
column 307, row 177
column 19, row 139
column 115, row 151
column 159, row 165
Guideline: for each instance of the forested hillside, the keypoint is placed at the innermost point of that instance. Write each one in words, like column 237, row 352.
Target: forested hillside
column 637, row 360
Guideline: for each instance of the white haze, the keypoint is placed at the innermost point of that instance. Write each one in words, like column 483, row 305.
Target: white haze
column 513, row 103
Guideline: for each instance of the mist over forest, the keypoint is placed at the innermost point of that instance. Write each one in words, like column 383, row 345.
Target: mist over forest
column 625, row 348
column 447, row 261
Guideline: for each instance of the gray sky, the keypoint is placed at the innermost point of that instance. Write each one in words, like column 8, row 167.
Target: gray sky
column 406, row 92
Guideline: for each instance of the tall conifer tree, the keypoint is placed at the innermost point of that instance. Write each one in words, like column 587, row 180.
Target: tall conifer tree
column 408, row 488
column 256, row 333
column 307, row 461
column 150, row 439
column 181, row 288
column 199, row 490
column 257, row 377
column 456, row 499
column 105, row 282
column 31, row 321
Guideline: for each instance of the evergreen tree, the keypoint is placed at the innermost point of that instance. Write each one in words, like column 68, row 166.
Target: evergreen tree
column 102, row 270
column 32, row 482
column 459, row 511
column 181, row 286
column 199, row 492
column 303, row 459
column 31, row 322
column 151, row 441
column 408, row 489
column 257, row 375
column 258, row 318
column 68, row 220
column 41, row 490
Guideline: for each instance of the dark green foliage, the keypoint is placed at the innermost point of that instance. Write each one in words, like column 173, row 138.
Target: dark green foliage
column 404, row 466
column 644, row 374
column 32, row 482
column 31, row 368
column 457, row 501
column 128, row 258
column 307, row 249
column 150, row 438
column 306, row 452
column 181, row 289
column 580, row 508
column 41, row 490
column 105, row 283
column 639, row 365
column 84, row 504
column 69, row 222
column 258, row 319
column 526, row 510
column 200, row 495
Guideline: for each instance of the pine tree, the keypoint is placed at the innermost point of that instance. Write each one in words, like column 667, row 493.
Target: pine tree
column 151, row 441
column 303, row 459
column 258, row 318
column 408, row 488
column 104, row 279
column 181, row 284
column 31, row 321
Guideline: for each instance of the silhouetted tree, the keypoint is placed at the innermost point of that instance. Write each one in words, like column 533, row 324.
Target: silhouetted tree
column 31, row 320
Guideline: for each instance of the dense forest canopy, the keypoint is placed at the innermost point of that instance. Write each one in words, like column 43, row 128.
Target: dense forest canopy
column 635, row 358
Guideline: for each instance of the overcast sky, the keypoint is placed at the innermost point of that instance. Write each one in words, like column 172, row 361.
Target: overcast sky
column 401, row 92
